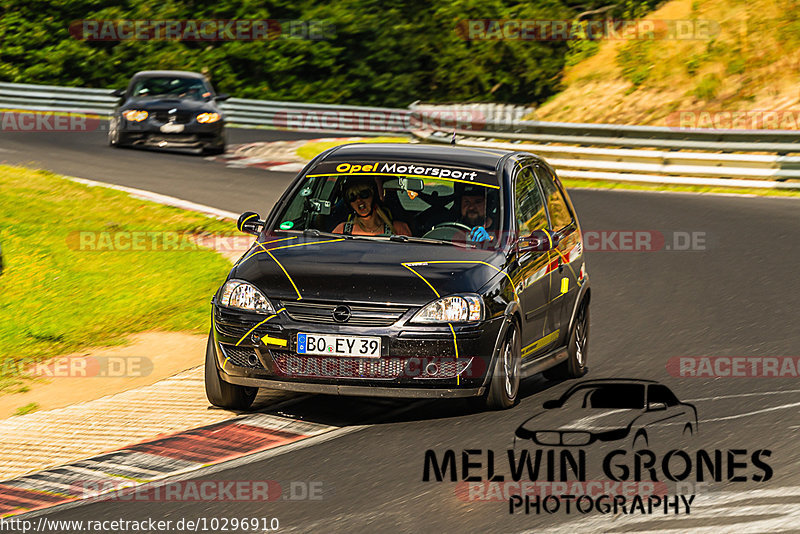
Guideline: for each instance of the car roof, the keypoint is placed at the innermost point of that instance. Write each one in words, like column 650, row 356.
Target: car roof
column 177, row 73
column 609, row 381
column 485, row 159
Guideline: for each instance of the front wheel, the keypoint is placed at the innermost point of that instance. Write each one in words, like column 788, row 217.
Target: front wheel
column 221, row 393
column 577, row 349
column 115, row 137
column 504, row 384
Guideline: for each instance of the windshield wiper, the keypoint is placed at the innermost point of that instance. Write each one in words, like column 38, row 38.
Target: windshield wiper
column 428, row 240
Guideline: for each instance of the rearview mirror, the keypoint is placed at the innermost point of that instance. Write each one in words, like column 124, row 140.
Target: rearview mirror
column 552, row 403
column 656, row 406
column 249, row 223
column 221, row 97
column 119, row 93
column 538, row 241
column 405, row 184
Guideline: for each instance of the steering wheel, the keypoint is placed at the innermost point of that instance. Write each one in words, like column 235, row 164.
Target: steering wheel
column 441, row 226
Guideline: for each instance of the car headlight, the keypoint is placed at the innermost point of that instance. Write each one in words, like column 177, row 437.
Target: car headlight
column 135, row 115
column 205, row 118
column 245, row 296
column 453, row 309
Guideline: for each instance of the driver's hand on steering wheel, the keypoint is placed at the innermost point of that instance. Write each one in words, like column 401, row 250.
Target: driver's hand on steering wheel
column 479, row 235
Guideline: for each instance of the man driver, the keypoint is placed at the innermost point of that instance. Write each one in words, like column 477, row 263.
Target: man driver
column 473, row 213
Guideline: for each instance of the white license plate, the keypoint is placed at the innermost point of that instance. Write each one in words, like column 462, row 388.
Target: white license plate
column 367, row 347
column 172, row 128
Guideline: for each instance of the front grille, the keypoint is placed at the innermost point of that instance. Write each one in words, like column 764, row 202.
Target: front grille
column 242, row 356
column 360, row 315
column 328, row 367
column 171, row 138
column 181, row 117
column 293, row 365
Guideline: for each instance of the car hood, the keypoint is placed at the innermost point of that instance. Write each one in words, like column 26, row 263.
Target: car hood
column 359, row 270
column 580, row 419
column 165, row 104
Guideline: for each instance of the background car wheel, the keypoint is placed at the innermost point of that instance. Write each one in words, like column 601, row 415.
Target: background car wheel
column 115, row 138
column 221, row 393
column 577, row 349
column 504, row 385
column 214, row 150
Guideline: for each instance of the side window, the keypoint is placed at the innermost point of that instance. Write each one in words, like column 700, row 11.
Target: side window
column 556, row 205
column 528, row 205
column 659, row 393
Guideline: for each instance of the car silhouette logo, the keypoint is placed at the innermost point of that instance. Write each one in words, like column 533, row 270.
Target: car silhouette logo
column 341, row 314
column 609, row 410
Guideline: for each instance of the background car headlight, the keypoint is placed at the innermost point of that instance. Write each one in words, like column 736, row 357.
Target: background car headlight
column 135, row 115
column 453, row 309
column 245, row 296
column 205, row 118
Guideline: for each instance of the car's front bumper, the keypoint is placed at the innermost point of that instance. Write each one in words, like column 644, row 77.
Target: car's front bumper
column 149, row 133
column 415, row 361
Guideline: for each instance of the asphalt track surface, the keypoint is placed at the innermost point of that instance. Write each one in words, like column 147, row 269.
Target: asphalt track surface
column 739, row 296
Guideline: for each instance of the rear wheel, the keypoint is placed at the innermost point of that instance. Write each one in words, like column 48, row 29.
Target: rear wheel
column 221, row 393
column 577, row 349
column 504, row 384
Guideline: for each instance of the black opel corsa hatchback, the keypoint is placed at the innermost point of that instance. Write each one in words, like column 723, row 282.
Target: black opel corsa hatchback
column 405, row 271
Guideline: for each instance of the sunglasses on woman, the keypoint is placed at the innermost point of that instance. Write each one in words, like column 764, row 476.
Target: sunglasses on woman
column 363, row 194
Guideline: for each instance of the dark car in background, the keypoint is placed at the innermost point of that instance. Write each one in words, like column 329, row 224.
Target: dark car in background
column 476, row 281
column 169, row 109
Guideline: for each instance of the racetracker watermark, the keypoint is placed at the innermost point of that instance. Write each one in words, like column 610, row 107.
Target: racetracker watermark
column 82, row 367
column 776, row 119
column 488, row 491
column 158, row 240
column 201, row 30
column 200, row 491
column 381, row 121
column 592, row 30
column 734, row 366
column 643, row 241
column 47, row 121
column 420, row 368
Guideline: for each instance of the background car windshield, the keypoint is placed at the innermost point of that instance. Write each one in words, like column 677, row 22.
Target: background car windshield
column 609, row 396
column 171, row 86
column 431, row 207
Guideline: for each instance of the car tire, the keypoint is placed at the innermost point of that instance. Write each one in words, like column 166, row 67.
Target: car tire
column 115, row 137
column 214, row 150
column 504, row 384
column 577, row 349
column 221, row 393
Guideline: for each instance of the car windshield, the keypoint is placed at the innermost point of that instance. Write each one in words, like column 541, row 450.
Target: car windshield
column 435, row 207
column 607, row 396
column 171, row 86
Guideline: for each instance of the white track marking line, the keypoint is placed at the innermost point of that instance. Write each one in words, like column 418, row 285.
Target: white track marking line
column 159, row 198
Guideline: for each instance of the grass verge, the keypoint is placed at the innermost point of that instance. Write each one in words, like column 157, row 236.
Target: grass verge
column 58, row 298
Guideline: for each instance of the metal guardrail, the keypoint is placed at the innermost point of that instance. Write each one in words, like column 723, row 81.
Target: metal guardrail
column 477, row 123
column 681, row 168
column 238, row 111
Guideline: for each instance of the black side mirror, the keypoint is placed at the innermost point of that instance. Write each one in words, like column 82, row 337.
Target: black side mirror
column 249, row 223
column 221, row 97
column 119, row 93
column 552, row 403
column 538, row 241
